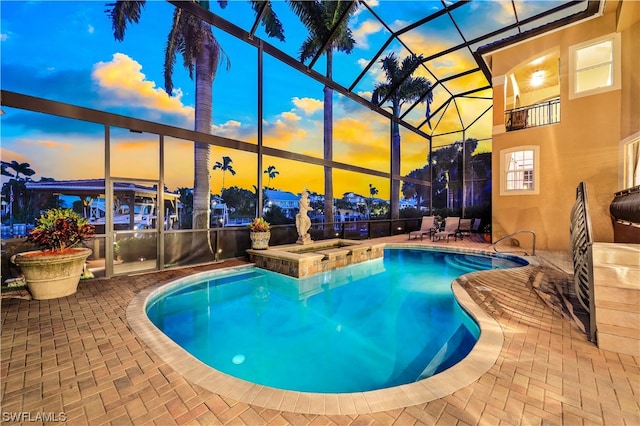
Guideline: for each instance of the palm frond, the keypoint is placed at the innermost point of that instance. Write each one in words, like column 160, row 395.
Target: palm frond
column 174, row 44
column 123, row 12
column 310, row 46
column 399, row 80
column 309, row 13
column 414, row 88
column 391, row 67
column 321, row 18
column 272, row 25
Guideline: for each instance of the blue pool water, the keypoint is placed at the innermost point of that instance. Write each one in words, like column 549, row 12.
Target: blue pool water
column 368, row 326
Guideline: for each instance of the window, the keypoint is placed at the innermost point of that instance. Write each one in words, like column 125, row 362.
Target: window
column 520, row 171
column 595, row 66
column 632, row 164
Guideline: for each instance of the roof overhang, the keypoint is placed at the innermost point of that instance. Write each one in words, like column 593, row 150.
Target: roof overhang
column 594, row 9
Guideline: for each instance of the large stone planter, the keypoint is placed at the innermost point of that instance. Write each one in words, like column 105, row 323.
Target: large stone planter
column 260, row 240
column 50, row 276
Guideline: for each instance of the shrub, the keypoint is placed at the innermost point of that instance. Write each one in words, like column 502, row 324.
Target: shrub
column 60, row 229
column 259, row 224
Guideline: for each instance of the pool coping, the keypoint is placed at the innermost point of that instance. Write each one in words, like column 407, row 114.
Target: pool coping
column 481, row 358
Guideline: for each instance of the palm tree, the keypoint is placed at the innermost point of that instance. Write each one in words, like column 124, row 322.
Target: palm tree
column 18, row 169
column 15, row 189
column 373, row 191
column 399, row 88
column 193, row 39
column 328, row 32
column 272, row 173
column 225, row 166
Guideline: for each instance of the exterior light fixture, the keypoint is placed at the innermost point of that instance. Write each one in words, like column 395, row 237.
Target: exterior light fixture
column 537, row 78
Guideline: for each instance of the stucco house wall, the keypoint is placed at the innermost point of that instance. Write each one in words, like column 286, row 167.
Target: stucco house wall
column 584, row 146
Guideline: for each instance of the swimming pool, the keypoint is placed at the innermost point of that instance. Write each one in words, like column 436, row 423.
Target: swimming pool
column 369, row 326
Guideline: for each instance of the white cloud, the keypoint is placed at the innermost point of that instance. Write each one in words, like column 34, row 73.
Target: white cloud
column 361, row 33
column 233, row 129
column 308, row 105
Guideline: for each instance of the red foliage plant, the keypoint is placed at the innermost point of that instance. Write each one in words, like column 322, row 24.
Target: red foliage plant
column 58, row 230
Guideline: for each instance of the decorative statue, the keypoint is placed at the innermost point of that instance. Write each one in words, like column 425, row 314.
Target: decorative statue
column 303, row 223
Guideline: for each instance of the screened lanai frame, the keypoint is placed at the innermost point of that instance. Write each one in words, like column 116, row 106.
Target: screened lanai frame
column 18, row 100
column 525, row 24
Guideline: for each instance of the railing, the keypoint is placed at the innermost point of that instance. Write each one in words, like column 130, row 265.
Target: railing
column 533, row 249
column 581, row 252
column 533, row 115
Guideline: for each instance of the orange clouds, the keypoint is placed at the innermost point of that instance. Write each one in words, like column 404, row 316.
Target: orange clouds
column 290, row 117
column 294, row 176
column 362, row 141
column 54, row 144
column 123, row 80
column 135, row 145
column 9, row 155
column 287, row 132
column 51, row 158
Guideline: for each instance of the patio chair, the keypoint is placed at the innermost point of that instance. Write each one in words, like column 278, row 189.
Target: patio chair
column 450, row 229
column 428, row 227
column 464, row 228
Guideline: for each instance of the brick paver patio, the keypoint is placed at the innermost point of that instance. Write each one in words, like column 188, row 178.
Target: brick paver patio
column 76, row 359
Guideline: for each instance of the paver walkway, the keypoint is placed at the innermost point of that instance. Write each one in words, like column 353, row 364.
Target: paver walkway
column 76, row 358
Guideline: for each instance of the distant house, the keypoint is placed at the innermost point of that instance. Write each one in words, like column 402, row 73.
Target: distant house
column 408, row 203
column 354, row 199
column 286, row 201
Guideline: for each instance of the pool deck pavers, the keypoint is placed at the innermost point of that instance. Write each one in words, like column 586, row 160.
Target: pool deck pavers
column 78, row 359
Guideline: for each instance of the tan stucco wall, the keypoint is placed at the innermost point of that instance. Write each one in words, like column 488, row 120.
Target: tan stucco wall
column 584, row 146
column 629, row 27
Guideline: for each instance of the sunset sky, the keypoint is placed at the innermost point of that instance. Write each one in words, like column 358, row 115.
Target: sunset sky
column 65, row 51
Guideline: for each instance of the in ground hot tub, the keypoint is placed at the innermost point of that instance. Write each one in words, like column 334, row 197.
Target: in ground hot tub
column 301, row 261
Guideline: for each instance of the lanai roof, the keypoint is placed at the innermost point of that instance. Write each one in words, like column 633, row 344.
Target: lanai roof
column 470, row 28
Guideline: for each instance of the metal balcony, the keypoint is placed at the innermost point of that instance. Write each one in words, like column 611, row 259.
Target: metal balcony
column 533, row 115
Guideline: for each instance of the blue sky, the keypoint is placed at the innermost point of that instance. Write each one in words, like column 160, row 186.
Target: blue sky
column 65, row 51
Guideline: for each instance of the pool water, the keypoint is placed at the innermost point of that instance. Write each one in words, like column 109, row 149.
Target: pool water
column 372, row 325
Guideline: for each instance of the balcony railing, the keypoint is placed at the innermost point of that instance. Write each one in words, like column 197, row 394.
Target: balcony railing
column 533, row 115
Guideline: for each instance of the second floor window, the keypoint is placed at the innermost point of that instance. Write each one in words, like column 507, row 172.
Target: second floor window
column 595, row 66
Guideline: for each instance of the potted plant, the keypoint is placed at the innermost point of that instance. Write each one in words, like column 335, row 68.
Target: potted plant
column 55, row 270
column 487, row 233
column 260, row 233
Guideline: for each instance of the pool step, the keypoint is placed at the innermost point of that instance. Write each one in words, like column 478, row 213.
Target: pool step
column 449, row 354
column 435, row 359
column 465, row 264
column 475, row 262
